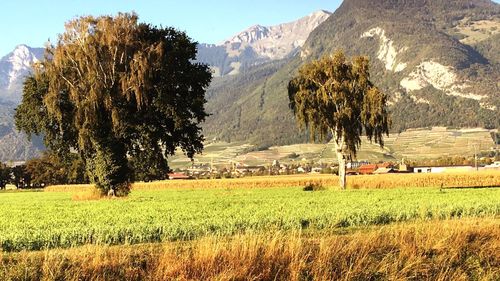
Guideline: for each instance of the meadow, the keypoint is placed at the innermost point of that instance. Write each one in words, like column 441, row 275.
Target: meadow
column 260, row 228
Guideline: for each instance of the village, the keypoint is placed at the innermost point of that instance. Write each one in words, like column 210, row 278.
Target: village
column 237, row 170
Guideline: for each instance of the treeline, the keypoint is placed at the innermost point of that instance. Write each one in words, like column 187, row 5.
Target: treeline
column 46, row 170
column 52, row 169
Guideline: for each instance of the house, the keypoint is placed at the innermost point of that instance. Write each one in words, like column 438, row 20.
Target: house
column 494, row 165
column 380, row 171
column 368, row 169
column 442, row 169
column 301, row 170
column 178, row 176
column 356, row 164
column 249, row 169
column 316, row 170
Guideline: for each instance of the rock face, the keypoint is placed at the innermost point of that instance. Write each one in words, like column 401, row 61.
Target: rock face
column 13, row 69
column 259, row 44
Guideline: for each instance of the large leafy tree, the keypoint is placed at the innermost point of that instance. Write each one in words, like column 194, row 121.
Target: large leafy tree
column 334, row 96
column 113, row 88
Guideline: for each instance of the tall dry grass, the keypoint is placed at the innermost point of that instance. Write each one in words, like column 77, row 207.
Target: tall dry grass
column 449, row 250
column 446, row 180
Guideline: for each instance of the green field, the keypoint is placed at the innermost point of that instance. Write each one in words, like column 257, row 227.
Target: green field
column 41, row 220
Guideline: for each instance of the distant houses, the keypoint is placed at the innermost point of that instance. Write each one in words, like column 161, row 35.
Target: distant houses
column 236, row 170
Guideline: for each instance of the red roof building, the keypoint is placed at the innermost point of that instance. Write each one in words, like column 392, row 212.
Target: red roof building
column 369, row 169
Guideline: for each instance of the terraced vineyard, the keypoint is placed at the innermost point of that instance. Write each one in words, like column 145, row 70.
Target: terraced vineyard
column 411, row 145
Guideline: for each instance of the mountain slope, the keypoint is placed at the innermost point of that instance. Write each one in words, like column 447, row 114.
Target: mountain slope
column 14, row 67
column 259, row 44
column 434, row 74
column 255, row 52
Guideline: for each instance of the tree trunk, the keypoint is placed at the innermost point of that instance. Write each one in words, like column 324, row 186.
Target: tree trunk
column 339, row 144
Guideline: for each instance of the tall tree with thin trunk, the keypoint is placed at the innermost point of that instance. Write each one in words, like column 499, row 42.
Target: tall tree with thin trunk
column 334, row 97
column 117, row 90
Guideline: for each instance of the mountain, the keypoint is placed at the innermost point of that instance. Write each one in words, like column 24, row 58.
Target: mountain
column 14, row 67
column 438, row 60
column 259, row 44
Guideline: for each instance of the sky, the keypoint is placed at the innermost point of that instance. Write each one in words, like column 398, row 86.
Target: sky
column 33, row 22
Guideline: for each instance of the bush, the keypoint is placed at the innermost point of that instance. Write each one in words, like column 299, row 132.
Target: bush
column 313, row 186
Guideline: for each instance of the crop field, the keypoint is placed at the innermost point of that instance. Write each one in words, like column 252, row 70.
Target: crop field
column 397, row 227
column 41, row 220
column 446, row 180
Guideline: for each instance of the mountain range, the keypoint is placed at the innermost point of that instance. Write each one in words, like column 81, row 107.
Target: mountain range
column 438, row 60
column 259, row 44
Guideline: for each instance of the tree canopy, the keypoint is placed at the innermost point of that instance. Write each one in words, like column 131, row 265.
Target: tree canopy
column 117, row 90
column 335, row 96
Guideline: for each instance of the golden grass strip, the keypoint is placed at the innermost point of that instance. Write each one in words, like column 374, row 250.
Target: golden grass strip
column 439, row 250
column 446, row 180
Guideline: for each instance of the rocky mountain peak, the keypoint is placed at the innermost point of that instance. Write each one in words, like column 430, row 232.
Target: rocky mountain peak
column 259, row 44
column 276, row 42
column 14, row 67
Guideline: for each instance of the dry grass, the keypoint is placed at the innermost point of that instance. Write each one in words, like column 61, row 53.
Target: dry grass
column 87, row 193
column 447, row 180
column 449, row 250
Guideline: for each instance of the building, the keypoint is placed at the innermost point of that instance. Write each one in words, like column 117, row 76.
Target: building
column 178, row 176
column 442, row 169
column 381, row 171
column 356, row 164
column 249, row 169
column 494, row 165
column 369, row 169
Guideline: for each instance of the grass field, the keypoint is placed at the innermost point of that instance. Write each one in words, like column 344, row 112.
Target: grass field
column 261, row 228
column 52, row 219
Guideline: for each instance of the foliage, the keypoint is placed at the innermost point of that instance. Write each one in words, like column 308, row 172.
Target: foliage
column 50, row 169
column 5, row 176
column 113, row 87
column 313, row 186
column 20, row 177
column 54, row 220
column 335, row 95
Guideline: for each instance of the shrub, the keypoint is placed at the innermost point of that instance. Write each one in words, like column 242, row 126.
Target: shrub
column 313, row 186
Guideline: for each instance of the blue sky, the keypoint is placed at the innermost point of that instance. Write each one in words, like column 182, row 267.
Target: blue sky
column 33, row 22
